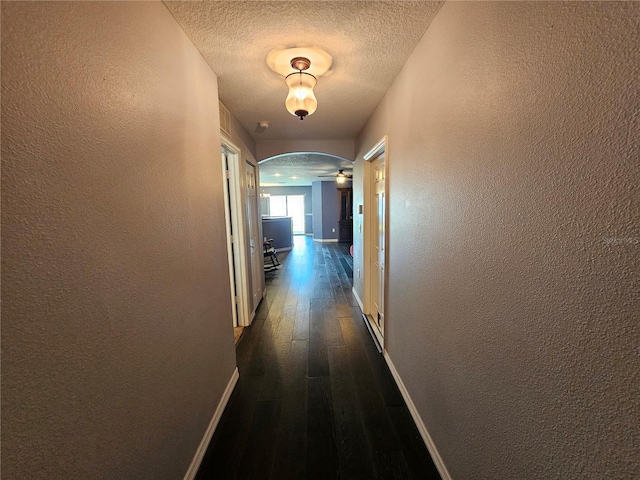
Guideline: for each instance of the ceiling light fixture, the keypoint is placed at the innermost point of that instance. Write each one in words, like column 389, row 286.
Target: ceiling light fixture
column 308, row 64
column 301, row 100
column 340, row 177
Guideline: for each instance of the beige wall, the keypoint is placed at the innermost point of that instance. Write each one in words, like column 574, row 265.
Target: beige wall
column 116, row 314
column 514, row 242
column 242, row 139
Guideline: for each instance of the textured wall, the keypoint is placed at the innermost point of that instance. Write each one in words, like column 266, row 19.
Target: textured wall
column 241, row 138
column 116, row 315
column 514, row 238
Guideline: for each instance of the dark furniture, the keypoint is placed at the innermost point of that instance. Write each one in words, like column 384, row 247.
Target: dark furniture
column 345, row 220
column 271, row 261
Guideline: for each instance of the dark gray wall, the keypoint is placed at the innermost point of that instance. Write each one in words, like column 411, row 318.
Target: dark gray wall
column 330, row 210
column 316, row 196
column 326, row 209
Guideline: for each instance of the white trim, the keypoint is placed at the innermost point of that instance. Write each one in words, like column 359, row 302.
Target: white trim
column 325, row 240
column 208, row 434
column 381, row 147
column 431, row 446
column 255, row 277
column 375, row 335
column 355, row 294
column 377, row 149
column 375, row 330
column 241, row 270
column 225, row 119
column 226, row 152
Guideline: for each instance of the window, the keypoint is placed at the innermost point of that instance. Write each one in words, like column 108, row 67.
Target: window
column 289, row 206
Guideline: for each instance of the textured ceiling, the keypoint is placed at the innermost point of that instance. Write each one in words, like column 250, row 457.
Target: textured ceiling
column 279, row 171
column 369, row 42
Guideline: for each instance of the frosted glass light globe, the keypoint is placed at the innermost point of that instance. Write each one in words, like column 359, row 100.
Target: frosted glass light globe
column 301, row 101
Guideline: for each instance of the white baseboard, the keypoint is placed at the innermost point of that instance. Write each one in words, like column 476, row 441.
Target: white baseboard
column 437, row 459
column 208, row 434
column 325, row 240
column 375, row 331
column 355, row 294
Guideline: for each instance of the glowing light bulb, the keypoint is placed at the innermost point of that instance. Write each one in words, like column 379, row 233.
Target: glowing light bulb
column 301, row 100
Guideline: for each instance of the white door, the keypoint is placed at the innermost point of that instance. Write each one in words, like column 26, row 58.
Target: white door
column 232, row 254
column 240, row 268
column 253, row 236
column 378, row 242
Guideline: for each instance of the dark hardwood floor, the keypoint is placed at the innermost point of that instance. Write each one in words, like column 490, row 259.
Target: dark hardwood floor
column 315, row 400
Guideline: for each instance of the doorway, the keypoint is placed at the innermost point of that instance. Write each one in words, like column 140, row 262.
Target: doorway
column 228, row 155
column 253, row 235
column 243, row 234
column 375, row 238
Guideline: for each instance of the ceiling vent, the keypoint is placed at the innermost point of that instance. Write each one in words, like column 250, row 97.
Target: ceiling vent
column 225, row 120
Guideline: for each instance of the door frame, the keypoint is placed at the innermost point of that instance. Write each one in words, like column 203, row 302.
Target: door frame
column 254, row 269
column 234, row 216
column 381, row 147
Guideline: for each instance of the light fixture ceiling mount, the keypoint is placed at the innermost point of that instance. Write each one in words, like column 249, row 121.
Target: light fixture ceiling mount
column 300, row 63
column 310, row 63
column 301, row 100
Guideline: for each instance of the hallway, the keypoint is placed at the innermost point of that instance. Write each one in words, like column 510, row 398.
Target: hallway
column 314, row 400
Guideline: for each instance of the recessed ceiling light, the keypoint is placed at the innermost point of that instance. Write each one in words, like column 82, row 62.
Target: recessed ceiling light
column 294, row 177
column 276, row 174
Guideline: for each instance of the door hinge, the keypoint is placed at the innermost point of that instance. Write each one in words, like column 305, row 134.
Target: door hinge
column 231, row 238
column 228, row 174
column 237, row 300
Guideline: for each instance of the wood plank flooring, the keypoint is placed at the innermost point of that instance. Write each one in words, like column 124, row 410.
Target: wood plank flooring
column 315, row 400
